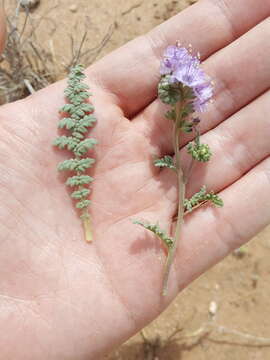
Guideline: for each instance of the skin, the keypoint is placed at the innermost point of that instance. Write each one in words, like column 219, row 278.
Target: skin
column 61, row 298
column 2, row 29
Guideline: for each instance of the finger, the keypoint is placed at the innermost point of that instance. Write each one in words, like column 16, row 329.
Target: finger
column 132, row 71
column 238, row 144
column 237, row 83
column 210, row 234
column 236, row 150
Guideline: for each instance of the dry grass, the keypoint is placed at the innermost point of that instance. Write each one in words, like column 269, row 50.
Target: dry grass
column 24, row 65
column 27, row 66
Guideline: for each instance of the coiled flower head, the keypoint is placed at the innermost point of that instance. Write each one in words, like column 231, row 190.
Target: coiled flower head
column 183, row 70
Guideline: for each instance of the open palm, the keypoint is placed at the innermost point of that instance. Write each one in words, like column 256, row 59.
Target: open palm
column 64, row 299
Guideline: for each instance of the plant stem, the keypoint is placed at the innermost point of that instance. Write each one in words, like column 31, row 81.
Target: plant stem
column 85, row 217
column 181, row 197
column 187, row 175
column 194, row 208
column 87, row 227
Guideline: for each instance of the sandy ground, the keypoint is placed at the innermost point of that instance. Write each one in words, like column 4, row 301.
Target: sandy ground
column 238, row 285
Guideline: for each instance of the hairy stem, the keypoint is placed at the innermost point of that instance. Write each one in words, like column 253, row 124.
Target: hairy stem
column 181, row 197
column 187, row 175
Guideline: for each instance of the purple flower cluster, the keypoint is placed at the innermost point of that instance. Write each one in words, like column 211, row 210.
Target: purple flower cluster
column 182, row 67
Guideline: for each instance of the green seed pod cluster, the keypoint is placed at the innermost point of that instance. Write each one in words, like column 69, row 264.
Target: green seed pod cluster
column 79, row 118
column 199, row 152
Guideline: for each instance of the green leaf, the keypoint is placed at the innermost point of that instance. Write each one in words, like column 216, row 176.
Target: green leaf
column 76, row 87
column 62, row 141
column 77, row 135
column 72, row 144
column 68, row 91
column 81, row 87
column 67, row 123
column 168, row 92
column 167, row 240
column 67, row 108
column 200, row 197
column 189, row 93
column 86, row 107
column 83, row 95
column 188, row 109
column 170, row 114
column 67, row 165
column 68, row 142
column 166, row 161
column 77, row 122
column 83, row 204
column 77, row 99
column 79, row 194
column 216, row 200
column 77, row 70
column 76, row 164
column 197, row 198
column 79, row 180
column 78, row 111
column 84, row 164
column 187, row 126
column 84, row 146
column 86, row 122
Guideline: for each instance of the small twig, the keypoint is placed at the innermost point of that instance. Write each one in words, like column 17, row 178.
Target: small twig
column 34, row 28
column 104, row 42
column 29, row 86
column 24, row 24
column 39, row 56
column 256, row 341
column 131, row 8
column 18, row 8
column 144, row 337
column 77, row 57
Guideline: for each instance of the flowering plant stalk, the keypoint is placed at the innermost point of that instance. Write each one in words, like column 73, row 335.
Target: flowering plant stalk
column 186, row 88
column 78, row 120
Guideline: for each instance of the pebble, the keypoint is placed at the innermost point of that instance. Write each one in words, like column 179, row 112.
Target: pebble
column 73, row 8
column 30, row 4
column 213, row 308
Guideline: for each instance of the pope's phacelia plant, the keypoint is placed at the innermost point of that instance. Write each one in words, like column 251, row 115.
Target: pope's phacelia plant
column 186, row 88
column 76, row 123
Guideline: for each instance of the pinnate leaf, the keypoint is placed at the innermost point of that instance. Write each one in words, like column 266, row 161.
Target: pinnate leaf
column 84, row 146
column 67, row 123
column 61, row 141
column 79, row 194
column 86, row 107
column 76, row 164
column 167, row 240
column 83, row 204
column 166, row 161
column 79, row 180
column 202, row 196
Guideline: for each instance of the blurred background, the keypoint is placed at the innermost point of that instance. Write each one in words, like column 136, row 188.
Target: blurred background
column 223, row 314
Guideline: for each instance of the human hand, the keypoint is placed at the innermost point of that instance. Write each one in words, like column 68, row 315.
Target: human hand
column 64, row 299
